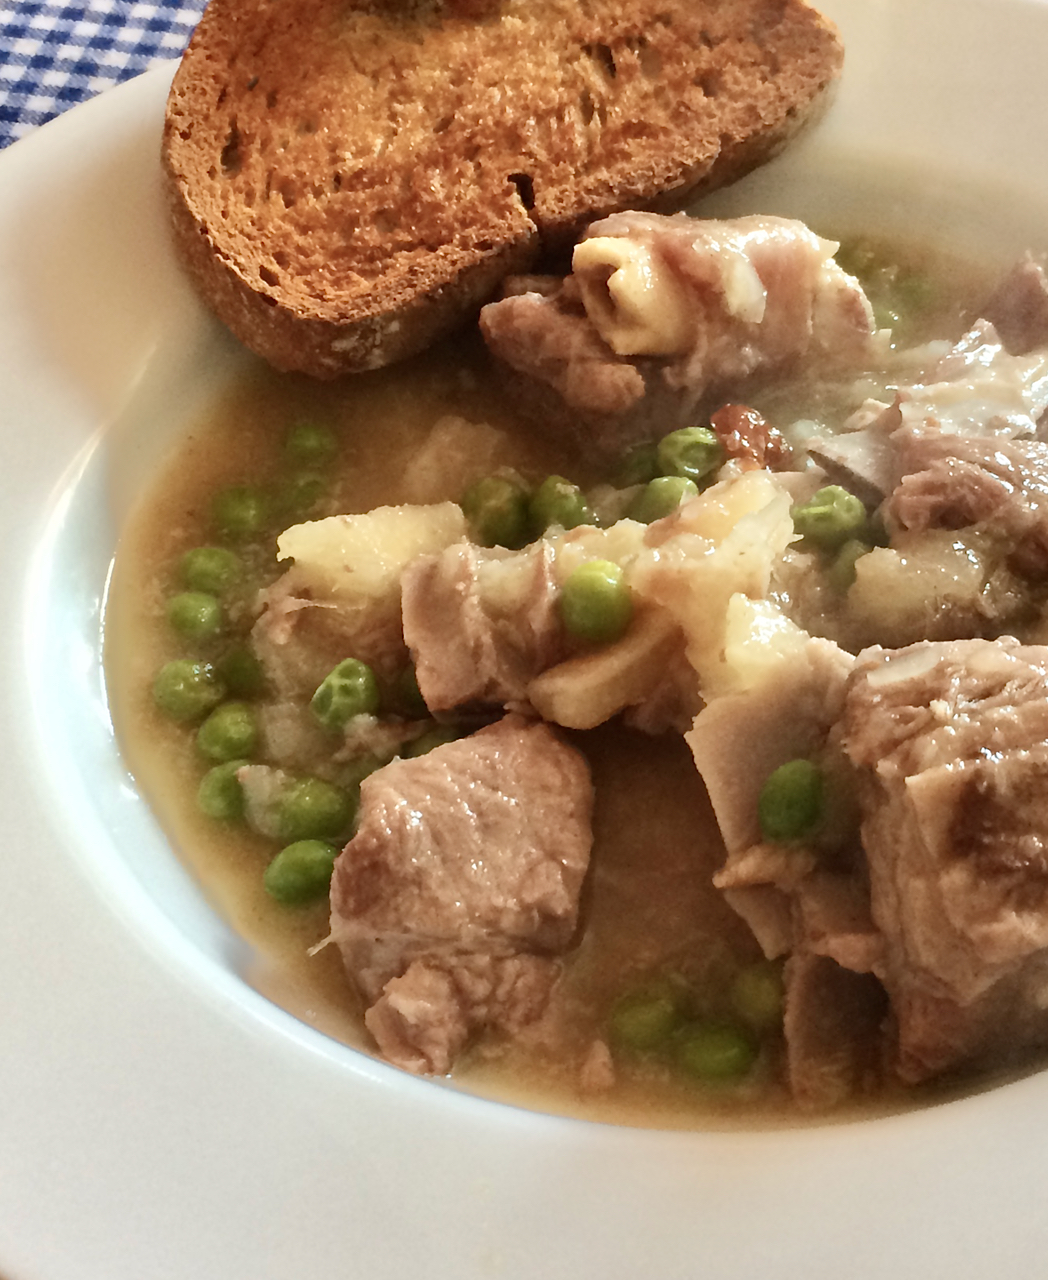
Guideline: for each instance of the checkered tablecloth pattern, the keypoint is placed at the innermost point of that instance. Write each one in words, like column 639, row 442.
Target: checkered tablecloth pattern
column 53, row 56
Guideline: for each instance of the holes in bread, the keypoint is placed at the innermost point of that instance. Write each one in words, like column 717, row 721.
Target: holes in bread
column 288, row 192
column 231, row 159
column 525, row 188
column 336, row 181
column 588, row 108
column 386, row 222
column 281, row 259
column 268, row 277
column 444, row 124
column 710, row 82
column 271, row 99
column 602, row 55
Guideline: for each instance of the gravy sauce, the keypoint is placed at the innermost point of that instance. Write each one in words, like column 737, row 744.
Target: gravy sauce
column 649, row 903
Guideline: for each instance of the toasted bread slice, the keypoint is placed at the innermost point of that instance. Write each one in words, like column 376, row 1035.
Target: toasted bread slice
column 350, row 181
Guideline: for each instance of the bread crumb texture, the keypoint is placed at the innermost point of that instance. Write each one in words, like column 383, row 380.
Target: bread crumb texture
column 347, row 180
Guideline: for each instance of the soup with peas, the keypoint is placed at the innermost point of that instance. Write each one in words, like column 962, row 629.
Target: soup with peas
column 579, row 773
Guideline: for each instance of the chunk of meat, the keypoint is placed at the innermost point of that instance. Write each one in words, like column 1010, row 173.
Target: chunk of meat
column 728, row 297
column 1018, row 307
column 951, row 482
column 422, row 1019
column 548, row 337
column 481, row 624
column 951, row 741
column 464, row 859
column 977, row 389
column 661, row 312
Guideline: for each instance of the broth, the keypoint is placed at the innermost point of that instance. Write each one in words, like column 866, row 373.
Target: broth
column 649, row 905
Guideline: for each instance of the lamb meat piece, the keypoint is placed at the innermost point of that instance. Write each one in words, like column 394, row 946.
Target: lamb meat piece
column 977, row 390
column 951, row 482
column 465, row 859
column 476, row 647
column 1018, row 307
column 551, row 340
column 661, row 313
column 422, row 1020
column 728, row 297
column 951, row 742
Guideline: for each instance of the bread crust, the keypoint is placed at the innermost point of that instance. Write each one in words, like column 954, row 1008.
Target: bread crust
column 349, row 182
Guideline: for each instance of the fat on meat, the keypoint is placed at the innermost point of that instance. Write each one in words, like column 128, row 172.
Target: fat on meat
column 951, row 741
column 978, row 389
column 461, row 887
column 661, row 312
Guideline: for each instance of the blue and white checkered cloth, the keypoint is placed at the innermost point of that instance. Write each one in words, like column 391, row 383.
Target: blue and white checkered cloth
column 53, row 56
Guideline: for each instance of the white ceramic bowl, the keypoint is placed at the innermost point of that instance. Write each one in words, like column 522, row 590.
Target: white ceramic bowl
column 159, row 1118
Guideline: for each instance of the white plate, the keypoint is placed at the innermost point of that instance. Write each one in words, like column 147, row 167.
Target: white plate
column 158, row 1119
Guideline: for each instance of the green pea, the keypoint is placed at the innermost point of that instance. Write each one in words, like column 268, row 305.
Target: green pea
column 757, row 994
column 791, row 801
column 229, row 733
column 497, row 510
column 661, row 497
column 212, row 569
column 349, row 690
column 241, row 511
column 311, row 809
column 220, row 794
column 437, row 737
column 195, row 615
column 242, row 672
column 841, row 573
column 558, row 501
column 595, row 602
column 187, row 690
column 692, row 452
column 644, row 1019
column 639, row 465
column 715, row 1052
column 301, row 872
column 310, row 445
column 830, row 517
